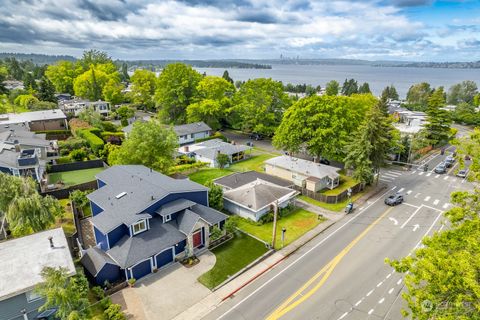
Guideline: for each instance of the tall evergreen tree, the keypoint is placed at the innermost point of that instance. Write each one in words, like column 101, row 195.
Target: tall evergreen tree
column 124, row 77
column 226, row 76
column 390, row 93
column 46, row 90
column 29, row 82
column 350, row 86
column 332, row 88
column 364, row 88
column 438, row 120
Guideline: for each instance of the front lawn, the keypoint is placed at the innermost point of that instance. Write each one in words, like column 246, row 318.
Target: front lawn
column 345, row 183
column 337, row 207
column 204, row 176
column 71, row 178
column 253, row 163
column 297, row 223
column 232, row 256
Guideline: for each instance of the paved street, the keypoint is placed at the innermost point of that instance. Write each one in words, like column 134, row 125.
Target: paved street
column 341, row 274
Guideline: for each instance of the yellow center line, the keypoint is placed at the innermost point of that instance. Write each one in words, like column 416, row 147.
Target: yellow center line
column 326, row 270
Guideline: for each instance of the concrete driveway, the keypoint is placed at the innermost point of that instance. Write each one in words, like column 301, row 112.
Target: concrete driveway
column 167, row 293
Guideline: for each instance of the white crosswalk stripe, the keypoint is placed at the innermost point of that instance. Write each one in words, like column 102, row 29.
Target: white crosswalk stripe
column 385, row 180
column 395, row 173
column 401, row 189
column 429, row 174
column 416, row 196
column 436, row 202
column 446, row 205
column 436, row 177
column 409, row 191
column 421, row 173
column 446, row 178
column 414, row 172
column 427, row 198
column 386, row 174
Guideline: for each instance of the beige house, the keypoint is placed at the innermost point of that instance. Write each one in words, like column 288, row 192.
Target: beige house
column 303, row 173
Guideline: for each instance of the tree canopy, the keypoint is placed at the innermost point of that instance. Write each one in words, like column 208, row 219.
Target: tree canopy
column 176, row 89
column 144, row 83
column 438, row 120
column 418, row 95
column 150, row 144
column 462, row 92
column 332, row 88
column 390, row 93
column 258, row 106
column 63, row 74
column 322, row 124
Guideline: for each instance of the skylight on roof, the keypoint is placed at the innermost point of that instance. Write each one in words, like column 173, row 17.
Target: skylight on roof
column 118, row 196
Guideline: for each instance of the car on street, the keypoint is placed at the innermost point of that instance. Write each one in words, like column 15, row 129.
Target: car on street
column 256, row 136
column 324, row 161
column 449, row 161
column 394, row 199
column 462, row 173
column 441, row 168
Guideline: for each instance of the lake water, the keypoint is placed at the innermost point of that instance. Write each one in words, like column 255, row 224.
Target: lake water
column 378, row 77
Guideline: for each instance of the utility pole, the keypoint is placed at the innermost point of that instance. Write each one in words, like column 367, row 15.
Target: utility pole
column 275, row 213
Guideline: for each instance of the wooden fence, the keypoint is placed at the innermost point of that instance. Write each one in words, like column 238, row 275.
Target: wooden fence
column 330, row 198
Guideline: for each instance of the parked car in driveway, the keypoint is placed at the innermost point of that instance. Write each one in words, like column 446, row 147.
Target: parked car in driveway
column 441, row 168
column 394, row 199
column 462, row 173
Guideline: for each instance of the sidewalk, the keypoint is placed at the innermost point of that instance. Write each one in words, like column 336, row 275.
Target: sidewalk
column 209, row 303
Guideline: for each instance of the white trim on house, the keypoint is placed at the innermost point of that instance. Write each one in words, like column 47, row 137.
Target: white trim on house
column 167, row 218
column 136, row 264
column 145, row 228
column 173, row 255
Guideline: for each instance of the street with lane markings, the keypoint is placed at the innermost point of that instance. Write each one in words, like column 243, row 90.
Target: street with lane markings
column 342, row 273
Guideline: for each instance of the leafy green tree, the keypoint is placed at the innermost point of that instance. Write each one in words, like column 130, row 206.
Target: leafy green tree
column 322, row 124
column 12, row 187
column 46, row 90
column 438, row 120
column 462, row 92
column 124, row 77
column 215, row 196
column 15, row 70
column 144, row 83
column 259, row 105
column 364, row 88
column 26, row 101
column 68, row 294
column 92, row 117
column 466, row 113
column 89, row 85
column 209, row 111
column 112, row 91
column 418, row 95
column 62, row 74
column 332, row 88
column 349, row 87
column 32, row 213
column 29, row 82
column 226, row 76
column 442, row 277
column 231, row 225
column 222, row 160
column 125, row 113
column 310, row 90
column 79, row 198
column 176, row 88
column 468, row 145
column 150, row 144
column 114, row 312
column 476, row 100
column 214, row 88
column 371, row 143
column 390, row 93
column 3, row 77
column 94, row 57
column 42, row 105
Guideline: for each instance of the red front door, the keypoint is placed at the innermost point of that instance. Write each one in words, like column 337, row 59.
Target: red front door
column 197, row 239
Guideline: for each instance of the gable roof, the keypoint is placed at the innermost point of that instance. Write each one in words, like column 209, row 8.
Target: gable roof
column 24, row 258
column 239, row 179
column 258, row 194
column 304, row 167
column 129, row 251
column 140, row 186
column 186, row 221
column 174, row 206
column 191, row 128
column 208, row 214
column 211, row 148
column 94, row 259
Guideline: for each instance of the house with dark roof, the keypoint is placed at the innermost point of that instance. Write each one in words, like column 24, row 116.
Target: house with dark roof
column 190, row 132
column 255, row 199
column 239, row 179
column 143, row 221
column 208, row 151
column 42, row 120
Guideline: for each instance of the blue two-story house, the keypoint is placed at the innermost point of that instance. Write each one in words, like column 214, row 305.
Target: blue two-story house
column 144, row 220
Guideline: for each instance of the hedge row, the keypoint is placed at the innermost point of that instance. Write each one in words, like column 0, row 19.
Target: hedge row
column 54, row 132
column 216, row 135
column 106, row 134
column 95, row 143
column 186, row 167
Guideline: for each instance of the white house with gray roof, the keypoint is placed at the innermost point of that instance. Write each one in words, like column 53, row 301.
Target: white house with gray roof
column 143, row 220
column 191, row 132
column 303, row 173
column 20, row 271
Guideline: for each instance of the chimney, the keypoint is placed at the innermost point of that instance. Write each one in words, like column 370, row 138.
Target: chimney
column 51, row 241
column 185, row 148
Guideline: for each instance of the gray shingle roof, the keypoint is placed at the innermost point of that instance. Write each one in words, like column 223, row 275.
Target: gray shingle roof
column 129, row 251
column 143, row 187
column 94, row 259
column 258, row 194
column 208, row 214
column 212, row 147
column 12, row 118
column 191, row 128
column 304, row 167
column 239, row 179
column 174, row 206
column 186, row 221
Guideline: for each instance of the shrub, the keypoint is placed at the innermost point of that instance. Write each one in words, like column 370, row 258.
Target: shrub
column 215, row 233
column 231, row 225
column 77, row 124
column 124, row 122
column 114, row 312
column 95, row 143
column 108, row 126
column 78, row 154
column 79, row 198
column 266, row 218
column 105, row 302
column 184, row 160
column 63, row 160
column 216, row 135
column 185, row 167
column 71, row 144
column 98, row 292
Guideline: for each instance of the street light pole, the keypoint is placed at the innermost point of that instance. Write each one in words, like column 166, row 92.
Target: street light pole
column 275, row 212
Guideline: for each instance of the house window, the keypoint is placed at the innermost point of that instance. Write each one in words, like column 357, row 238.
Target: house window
column 139, row 227
column 167, row 218
column 32, row 296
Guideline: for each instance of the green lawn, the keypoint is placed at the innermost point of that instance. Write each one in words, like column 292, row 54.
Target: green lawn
column 67, row 221
column 345, row 183
column 296, row 223
column 231, row 258
column 337, row 207
column 71, row 178
column 253, row 163
column 204, row 176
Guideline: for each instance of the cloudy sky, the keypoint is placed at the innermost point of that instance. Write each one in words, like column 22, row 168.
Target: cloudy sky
column 418, row 30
